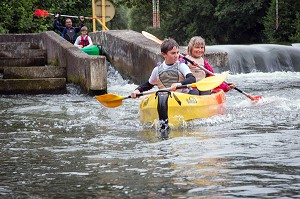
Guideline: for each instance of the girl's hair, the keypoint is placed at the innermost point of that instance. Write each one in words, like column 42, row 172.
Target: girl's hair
column 167, row 45
column 195, row 41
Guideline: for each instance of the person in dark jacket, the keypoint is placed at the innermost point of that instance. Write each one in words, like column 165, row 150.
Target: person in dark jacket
column 68, row 31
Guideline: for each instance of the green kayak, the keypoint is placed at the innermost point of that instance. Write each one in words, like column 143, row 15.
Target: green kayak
column 93, row 50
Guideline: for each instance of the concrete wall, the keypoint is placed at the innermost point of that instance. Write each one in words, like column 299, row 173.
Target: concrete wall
column 89, row 72
column 135, row 56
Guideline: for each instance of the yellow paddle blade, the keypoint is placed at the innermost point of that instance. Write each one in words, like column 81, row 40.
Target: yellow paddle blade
column 211, row 82
column 110, row 100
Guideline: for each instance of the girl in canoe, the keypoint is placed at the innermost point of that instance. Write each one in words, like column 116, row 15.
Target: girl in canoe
column 196, row 50
column 171, row 73
column 83, row 40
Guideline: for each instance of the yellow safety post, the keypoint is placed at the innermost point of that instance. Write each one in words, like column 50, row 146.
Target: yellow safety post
column 94, row 15
column 103, row 15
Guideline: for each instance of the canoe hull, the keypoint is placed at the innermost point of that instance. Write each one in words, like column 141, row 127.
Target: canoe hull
column 93, row 50
column 183, row 107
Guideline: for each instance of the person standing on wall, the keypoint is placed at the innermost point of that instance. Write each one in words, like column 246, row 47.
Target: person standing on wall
column 68, row 31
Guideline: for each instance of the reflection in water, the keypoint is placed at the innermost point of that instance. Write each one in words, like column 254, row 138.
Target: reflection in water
column 69, row 146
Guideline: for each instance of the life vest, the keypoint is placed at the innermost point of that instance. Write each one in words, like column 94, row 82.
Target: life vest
column 69, row 34
column 198, row 72
column 84, row 41
column 166, row 77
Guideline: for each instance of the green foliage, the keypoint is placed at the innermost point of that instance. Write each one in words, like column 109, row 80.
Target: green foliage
column 140, row 17
column 296, row 37
column 288, row 19
column 218, row 21
column 120, row 20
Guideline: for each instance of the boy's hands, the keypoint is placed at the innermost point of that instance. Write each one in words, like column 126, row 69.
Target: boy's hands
column 134, row 93
column 174, row 86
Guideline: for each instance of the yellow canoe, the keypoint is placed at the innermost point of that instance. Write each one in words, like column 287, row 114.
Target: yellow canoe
column 182, row 107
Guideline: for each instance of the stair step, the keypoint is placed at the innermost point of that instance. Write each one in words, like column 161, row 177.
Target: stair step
column 33, row 86
column 35, row 61
column 18, row 45
column 34, row 72
column 2, row 68
column 22, row 53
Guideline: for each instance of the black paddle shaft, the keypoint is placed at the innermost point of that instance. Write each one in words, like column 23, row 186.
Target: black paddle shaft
column 194, row 63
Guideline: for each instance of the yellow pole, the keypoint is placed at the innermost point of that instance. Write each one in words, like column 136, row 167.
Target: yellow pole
column 94, row 15
column 103, row 26
column 103, row 14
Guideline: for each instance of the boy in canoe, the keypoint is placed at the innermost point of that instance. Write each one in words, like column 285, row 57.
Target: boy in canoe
column 171, row 73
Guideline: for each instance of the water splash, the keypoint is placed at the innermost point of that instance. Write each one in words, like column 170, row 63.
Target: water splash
column 259, row 57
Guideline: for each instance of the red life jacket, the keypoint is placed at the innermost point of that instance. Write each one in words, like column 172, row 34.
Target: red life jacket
column 84, row 41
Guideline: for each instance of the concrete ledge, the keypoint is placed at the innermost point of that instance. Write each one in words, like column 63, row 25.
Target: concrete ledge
column 10, row 45
column 90, row 72
column 34, row 72
column 33, row 86
column 12, row 61
column 22, row 53
column 133, row 55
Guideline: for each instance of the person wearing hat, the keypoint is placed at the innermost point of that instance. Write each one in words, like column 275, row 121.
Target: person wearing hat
column 83, row 40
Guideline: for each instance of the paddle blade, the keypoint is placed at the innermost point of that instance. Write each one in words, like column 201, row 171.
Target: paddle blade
column 255, row 98
column 211, row 82
column 110, row 100
column 41, row 13
column 152, row 37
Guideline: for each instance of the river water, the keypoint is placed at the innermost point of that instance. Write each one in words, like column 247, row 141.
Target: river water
column 70, row 146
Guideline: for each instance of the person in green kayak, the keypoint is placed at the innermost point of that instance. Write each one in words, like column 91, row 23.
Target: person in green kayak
column 195, row 52
column 171, row 73
column 83, row 40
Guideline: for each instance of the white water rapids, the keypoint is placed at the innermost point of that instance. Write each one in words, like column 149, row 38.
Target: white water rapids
column 70, row 146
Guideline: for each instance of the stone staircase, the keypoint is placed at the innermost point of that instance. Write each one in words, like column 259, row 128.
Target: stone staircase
column 24, row 70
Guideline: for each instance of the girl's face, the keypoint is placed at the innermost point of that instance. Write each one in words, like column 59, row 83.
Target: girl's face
column 172, row 55
column 198, row 51
column 84, row 32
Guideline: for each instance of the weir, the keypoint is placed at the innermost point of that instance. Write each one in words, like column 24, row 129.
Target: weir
column 259, row 57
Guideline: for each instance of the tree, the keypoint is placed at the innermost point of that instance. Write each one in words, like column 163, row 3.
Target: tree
column 240, row 21
column 287, row 21
column 296, row 36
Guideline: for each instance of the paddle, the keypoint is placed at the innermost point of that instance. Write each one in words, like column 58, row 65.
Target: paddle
column 252, row 97
column 209, row 83
column 155, row 39
column 44, row 13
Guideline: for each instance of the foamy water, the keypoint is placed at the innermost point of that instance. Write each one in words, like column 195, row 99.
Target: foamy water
column 70, row 146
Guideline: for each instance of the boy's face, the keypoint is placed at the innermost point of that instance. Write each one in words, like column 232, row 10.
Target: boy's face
column 172, row 55
column 198, row 51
